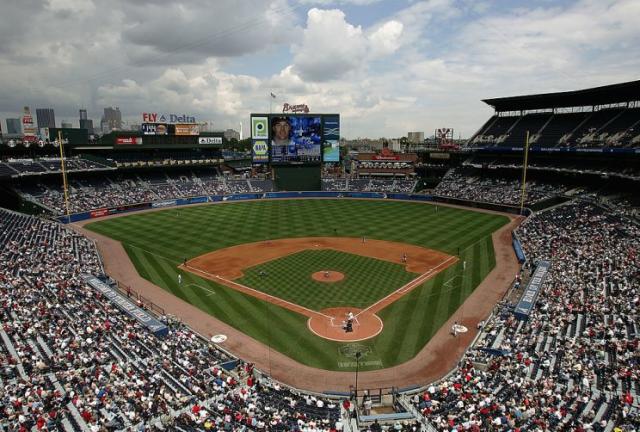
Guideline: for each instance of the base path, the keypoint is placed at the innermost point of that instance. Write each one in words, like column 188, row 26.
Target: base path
column 224, row 265
column 435, row 360
column 230, row 263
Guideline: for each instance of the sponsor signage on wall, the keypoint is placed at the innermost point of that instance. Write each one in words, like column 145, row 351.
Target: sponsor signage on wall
column 128, row 140
column 210, row 140
column 260, row 151
column 154, row 128
column 260, row 128
column 187, row 129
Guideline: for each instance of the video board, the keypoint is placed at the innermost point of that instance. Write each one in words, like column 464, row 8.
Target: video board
column 295, row 138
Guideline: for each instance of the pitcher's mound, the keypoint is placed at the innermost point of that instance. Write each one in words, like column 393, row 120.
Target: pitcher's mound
column 330, row 324
column 327, row 276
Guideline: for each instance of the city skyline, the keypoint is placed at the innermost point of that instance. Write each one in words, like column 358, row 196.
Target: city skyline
column 387, row 67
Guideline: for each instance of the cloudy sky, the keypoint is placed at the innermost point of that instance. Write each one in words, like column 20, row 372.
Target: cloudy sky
column 387, row 66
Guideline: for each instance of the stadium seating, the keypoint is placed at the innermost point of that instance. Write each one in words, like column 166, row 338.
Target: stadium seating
column 574, row 364
column 123, row 188
column 611, row 127
column 70, row 360
column 462, row 184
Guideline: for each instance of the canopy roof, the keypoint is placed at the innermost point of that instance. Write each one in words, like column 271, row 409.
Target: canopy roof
column 615, row 93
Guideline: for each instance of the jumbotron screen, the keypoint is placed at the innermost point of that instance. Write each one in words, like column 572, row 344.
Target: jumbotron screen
column 294, row 138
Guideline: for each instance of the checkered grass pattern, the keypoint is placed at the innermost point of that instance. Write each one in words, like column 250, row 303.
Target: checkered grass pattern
column 289, row 278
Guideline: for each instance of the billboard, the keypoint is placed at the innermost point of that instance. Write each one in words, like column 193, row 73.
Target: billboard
column 154, row 129
column 260, row 128
column 210, row 140
column 29, row 130
column 187, row 129
column 295, row 138
column 260, row 151
column 331, row 138
column 128, row 140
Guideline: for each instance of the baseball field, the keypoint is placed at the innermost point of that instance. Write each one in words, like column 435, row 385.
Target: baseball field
column 287, row 272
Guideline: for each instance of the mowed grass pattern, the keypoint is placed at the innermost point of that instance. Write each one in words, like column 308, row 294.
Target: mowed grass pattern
column 367, row 280
column 157, row 242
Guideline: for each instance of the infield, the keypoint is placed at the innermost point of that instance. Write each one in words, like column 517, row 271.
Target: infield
column 157, row 244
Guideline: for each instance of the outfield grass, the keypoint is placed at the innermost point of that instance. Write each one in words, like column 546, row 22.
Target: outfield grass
column 157, row 242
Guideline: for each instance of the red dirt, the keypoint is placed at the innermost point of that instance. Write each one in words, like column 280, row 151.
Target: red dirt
column 230, row 262
column 365, row 324
column 437, row 358
column 224, row 265
column 327, row 276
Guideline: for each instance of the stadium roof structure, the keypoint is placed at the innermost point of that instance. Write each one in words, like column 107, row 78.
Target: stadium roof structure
column 610, row 94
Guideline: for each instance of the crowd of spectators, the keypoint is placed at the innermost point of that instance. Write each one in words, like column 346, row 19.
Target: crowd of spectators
column 575, row 363
column 369, row 185
column 113, row 191
column 70, row 360
column 458, row 184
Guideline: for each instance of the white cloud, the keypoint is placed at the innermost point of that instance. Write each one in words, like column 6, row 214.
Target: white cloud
column 332, row 47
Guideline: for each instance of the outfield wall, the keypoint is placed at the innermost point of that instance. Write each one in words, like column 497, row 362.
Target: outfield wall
column 105, row 211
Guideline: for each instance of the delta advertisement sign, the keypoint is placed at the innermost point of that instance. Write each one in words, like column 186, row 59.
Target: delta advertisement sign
column 152, row 117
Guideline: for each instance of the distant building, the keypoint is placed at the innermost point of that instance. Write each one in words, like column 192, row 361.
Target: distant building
column 230, row 134
column 112, row 120
column 46, row 118
column 415, row 137
column 85, row 122
column 14, row 126
column 66, row 125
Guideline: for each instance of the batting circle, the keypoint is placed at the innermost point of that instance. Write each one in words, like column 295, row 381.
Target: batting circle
column 329, row 324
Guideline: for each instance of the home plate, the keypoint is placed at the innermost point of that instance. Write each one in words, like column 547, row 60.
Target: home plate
column 219, row 338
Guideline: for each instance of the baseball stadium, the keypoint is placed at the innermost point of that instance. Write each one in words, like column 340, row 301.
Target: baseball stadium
column 177, row 286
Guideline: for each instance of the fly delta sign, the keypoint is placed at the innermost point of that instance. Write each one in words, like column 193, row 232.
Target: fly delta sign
column 151, row 117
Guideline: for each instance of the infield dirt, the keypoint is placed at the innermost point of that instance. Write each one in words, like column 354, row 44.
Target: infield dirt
column 436, row 358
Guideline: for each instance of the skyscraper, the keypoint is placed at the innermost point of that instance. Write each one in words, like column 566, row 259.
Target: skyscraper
column 46, row 118
column 112, row 119
column 14, row 126
column 85, row 123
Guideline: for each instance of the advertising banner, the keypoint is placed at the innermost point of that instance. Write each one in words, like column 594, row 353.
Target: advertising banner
column 99, row 212
column 128, row 140
column 167, row 203
column 530, row 295
column 259, row 128
column 143, row 317
column 260, row 151
column 187, row 129
column 210, row 140
column 154, row 128
column 331, row 137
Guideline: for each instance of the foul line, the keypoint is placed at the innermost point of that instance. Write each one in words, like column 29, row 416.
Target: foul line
column 211, row 292
column 261, row 295
column 408, row 286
